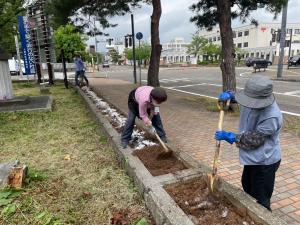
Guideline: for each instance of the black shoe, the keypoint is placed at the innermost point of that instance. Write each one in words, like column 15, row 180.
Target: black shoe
column 164, row 139
column 124, row 144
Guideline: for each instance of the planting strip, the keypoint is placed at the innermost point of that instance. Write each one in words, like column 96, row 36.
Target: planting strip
column 163, row 208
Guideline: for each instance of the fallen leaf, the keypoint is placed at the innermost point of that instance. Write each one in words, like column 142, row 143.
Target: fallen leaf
column 67, row 157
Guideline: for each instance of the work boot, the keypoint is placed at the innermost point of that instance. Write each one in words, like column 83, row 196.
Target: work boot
column 124, row 144
column 164, row 139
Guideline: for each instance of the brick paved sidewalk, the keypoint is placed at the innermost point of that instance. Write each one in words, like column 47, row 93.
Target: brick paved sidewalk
column 191, row 127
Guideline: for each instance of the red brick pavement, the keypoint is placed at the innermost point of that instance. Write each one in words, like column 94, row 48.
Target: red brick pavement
column 191, row 128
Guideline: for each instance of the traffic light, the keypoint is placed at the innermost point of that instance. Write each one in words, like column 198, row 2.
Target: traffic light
column 278, row 35
column 126, row 41
column 274, row 37
column 130, row 41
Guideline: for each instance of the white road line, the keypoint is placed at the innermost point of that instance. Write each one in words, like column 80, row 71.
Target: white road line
column 242, row 74
column 290, row 113
column 196, row 94
column 192, row 93
column 189, row 85
column 292, row 93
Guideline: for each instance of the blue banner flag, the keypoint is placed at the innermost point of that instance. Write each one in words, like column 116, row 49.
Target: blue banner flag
column 27, row 49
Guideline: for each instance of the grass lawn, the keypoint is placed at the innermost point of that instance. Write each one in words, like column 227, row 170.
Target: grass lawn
column 74, row 175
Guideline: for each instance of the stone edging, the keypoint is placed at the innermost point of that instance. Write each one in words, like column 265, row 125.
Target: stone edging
column 162, row 207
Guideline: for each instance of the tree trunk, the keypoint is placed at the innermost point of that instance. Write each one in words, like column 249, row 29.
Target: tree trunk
column 227, row 64
column 156, row 47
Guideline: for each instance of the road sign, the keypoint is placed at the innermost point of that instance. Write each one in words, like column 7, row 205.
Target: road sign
column 139, row 36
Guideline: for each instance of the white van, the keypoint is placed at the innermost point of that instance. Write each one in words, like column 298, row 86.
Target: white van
column 14, row 66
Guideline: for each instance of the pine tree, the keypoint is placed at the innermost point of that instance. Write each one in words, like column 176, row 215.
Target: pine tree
column 210, row 13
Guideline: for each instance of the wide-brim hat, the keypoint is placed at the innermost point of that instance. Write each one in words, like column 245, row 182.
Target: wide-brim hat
column 258, row 93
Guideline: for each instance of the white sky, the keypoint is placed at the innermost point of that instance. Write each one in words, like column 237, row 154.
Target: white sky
column 175, row 20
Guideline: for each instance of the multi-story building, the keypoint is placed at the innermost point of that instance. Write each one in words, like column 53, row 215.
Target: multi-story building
column 175, row 52
column 256, row 41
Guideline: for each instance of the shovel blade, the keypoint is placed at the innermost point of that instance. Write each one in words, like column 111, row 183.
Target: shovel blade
column 210, row 182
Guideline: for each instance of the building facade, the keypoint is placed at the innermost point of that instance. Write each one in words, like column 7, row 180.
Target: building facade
column 175, row 52
column 256, row 41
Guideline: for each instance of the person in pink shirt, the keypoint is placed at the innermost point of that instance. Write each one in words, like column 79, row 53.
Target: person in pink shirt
column 144, row 102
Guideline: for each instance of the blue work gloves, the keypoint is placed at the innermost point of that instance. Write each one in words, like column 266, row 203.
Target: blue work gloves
column 226, row 136
column 226, row 95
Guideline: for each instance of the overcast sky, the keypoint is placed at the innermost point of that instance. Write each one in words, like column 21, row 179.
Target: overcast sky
column 175, row 20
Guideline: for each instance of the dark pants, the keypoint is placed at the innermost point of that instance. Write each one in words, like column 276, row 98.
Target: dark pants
column 258, row 181
column 81, row 73
column 128, row 128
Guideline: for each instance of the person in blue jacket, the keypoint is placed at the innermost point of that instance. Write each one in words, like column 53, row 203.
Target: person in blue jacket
column 258, row 138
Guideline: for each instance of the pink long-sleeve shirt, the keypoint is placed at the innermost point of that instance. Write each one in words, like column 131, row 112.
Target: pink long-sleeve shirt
column 142, row 97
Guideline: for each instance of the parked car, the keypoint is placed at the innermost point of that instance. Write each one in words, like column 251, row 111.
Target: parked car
column 257, row 61
column 105, row 64
column 294, row 61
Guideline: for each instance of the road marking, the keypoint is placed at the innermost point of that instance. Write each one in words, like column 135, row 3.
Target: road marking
column 189, row 85
column 201, row 84
column 242, row 74
column 290, row 113
column 192, row 93
column 292, row 93
column 174, row 80
column 196, row 94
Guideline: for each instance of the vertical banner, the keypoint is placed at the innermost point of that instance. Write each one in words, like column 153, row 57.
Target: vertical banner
column 27, row 49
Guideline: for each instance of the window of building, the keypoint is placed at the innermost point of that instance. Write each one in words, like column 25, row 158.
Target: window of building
column 246, row 33
column 234, row 45
column 288, row 31
column 234, row 34
column 210, row 39
column 219, row 38
column 245, row 44
column 297, row 31
column 239, row 45
column 215, row 38
column 240, row 34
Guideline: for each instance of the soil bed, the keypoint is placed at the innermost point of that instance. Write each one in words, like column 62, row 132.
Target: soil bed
column 194, row 199
column 157, row 165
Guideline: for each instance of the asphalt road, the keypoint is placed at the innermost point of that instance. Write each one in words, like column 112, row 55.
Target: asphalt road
column 207, row 81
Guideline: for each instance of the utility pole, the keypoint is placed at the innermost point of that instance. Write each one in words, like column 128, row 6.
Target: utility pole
column 133, row 48
column 290, row 47
column 96, row 43
column 282, row 41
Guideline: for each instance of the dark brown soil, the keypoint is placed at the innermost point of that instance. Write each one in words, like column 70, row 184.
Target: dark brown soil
column 194, row 199
column 157, row 165
column 128, row 217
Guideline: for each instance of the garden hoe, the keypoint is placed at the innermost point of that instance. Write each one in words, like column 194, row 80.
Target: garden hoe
column 212, row 176
column 167, row 152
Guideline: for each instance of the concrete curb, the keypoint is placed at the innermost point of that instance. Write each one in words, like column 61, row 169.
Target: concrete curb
column 162, row 207
column 47, row 108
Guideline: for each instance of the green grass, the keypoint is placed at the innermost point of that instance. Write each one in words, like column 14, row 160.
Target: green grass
column 211, row 105
column 74, row 177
